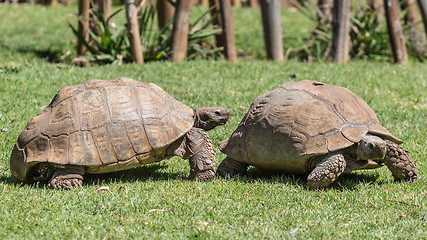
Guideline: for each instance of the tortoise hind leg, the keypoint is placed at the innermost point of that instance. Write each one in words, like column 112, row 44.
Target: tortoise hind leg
column 70, row 177
column 326, row 171
column 399, row 163
column 229, row 168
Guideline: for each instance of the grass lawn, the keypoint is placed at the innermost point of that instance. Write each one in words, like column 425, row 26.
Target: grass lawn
column 156, row 201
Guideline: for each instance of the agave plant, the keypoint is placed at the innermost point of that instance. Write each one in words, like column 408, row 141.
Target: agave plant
column 106, row 45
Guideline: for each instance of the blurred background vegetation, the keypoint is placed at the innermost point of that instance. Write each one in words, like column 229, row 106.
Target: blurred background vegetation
column 306, row 37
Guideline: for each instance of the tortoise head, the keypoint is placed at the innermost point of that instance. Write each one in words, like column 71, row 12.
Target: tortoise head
column 371, row 148
column 208, row 118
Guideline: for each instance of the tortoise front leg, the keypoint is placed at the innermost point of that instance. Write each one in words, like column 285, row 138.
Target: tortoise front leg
column 198, row 148
column 70, row 177
column 399, row 163
column 229, row 168
column 326, row 171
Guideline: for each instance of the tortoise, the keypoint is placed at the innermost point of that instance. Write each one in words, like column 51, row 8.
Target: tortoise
column 105, row 126
column 315, row 129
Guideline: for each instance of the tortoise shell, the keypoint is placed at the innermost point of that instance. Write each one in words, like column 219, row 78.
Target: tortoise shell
column 298, row 120
column 106, row 125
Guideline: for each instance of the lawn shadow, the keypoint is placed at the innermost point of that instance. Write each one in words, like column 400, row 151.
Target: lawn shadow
column 152, row 172
column 11, row 180
column 49, row 55
column 348, row 181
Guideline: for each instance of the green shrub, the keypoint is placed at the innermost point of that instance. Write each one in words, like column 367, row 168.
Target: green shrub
column 109, row 44
column 368, row 38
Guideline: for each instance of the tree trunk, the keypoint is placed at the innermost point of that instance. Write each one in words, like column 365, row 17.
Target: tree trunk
column 165, row 12
column 423, row 9
column 224, row 20
column 180, row 29
column 395, row 31
column 340, row 38
column 133, row 29
column 83, row 26
column 270, row 10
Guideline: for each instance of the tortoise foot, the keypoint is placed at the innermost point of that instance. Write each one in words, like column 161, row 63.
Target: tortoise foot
column 228, row 168
column 66, row 179
column 327, row 171
column 204, row 176
column 400, row 163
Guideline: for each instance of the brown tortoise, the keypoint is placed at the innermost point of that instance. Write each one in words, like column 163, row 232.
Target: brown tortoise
column 110, row 125
column 315, row 129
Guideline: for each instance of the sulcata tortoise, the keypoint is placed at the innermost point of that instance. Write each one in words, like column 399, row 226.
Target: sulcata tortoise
column 314, row 129
column 110, row 125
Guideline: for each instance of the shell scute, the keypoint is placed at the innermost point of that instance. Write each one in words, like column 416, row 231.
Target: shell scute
column 121, row 104
column 63, row 119
column 104, row 145
column 37, row 150
column 92, row 109
column 59, row 149
column 120, row 141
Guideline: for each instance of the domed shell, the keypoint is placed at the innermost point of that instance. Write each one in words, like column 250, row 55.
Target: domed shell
column 106, row 125
column 298, row 120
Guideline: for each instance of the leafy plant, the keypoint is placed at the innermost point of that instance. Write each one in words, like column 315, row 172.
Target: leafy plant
column 318, row 45
column 368, row 37
column 105, row 45
column 108, row 45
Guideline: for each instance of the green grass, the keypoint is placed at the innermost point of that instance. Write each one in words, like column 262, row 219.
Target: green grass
column 156, row 201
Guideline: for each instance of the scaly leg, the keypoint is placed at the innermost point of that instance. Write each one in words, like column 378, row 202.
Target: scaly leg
column 326, row 171
column 399, row 163
column 229, row 168
column 198, row 148
column 70, row 177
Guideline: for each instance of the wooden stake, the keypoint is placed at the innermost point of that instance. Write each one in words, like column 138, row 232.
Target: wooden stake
column 83, row 26
column 236, row 3
column 180, row 29
column 423, row 9
column 204, row 2
column 377, row 5
column 415, row 37
column 224, row 20
column 340, row 28
column 228, row 30
column 395, row 32
column 253, row 3
column 105, row 7
column 133, row 29
column 165, row 12
column 270, row 10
